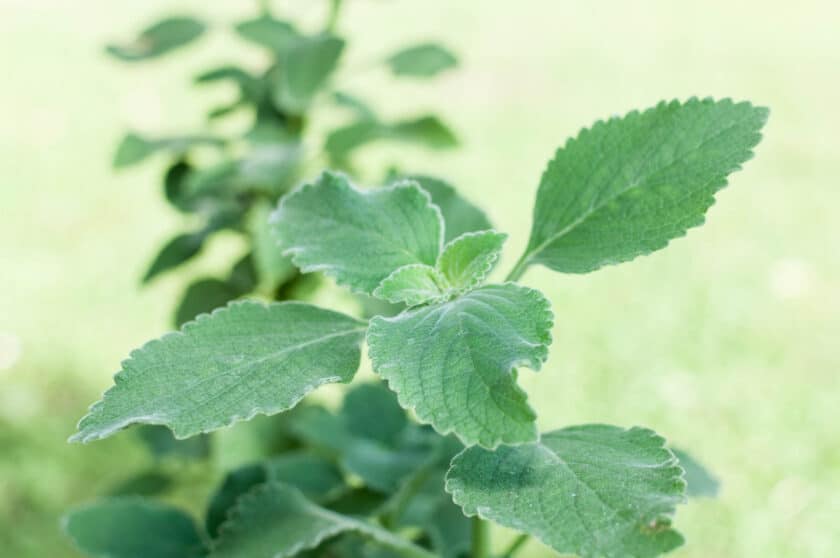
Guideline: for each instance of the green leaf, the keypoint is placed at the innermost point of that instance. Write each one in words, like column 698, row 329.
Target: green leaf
column 357, row 237
column 239, row 361
column 147, row 483
column 701, row 482
column 596, row 491
column 316, row 477
column 467, row 261
column 343, row 141
column 131, row 527
column 134, row 148
column 460, row 215
column 162, row 444
column 177, row 251
column 426, row 130
column 412, row 284
column 627, row 186
column 272, row 266
column 424, row 60
column 353, row 103
column 370, row 410
column 276, row 521
column 452, row 363
column 175, row 184
column 268, row 32
column 158, row 39
column 305, row 69
column 235, row 484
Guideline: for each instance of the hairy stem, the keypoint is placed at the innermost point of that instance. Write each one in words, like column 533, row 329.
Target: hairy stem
column 480, row 538
column 516, row 545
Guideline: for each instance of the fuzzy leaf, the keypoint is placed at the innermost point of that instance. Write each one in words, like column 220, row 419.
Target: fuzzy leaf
column 424, row 60
column 305, row 69
column 358, row 237
column 627, row 186
column 158, row 39
column 701, row 482
column 459, row 214
column 452, row 363
column 245, row 359
column 412, row 284
column 596, row 491
column 277, row 521
column 467, row 261
column 130, row 527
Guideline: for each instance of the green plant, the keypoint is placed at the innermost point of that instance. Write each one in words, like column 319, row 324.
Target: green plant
column 367, row 480
column 229, row 182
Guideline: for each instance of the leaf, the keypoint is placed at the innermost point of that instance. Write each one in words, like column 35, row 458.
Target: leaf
column 130, row 527
column 231, row 365
column 305, row 69
column 427, row 130
column 147, row 483
column 134, row 148
column 158, row 39
column 452, row 363
column 627, row 186
column 467, row 261
column 343, row 141
column 175, row 183
column 355, row 104
column 268, row 32
column 460, row 215
column 595, row 491
column 423, row 60
column 250, row 87
column 162, row 444
column 412, row 284
column 272, row 266
column 357, row 237
column 370, row 410
column 177, row 251
column 235, row 484
column 202, row 297
column 315, row 476
column 701, row 482
column 296, row 524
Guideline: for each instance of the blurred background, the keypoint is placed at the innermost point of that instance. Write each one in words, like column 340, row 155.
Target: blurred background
column 726, row 343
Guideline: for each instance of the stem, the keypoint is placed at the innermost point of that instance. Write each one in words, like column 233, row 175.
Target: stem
column 264, row 6
column 518, row 269
column 480, row 538
column 332, row 16
column 516, row 545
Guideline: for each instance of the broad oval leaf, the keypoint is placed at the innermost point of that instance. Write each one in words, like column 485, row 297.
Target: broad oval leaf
column 452, row 363
column 276, row 521
column 596, row 491
column 358, row 237
column 245, row 359
column 305, row 69
column 423, row 60
column 467, row 261
column 158, row 39
column 627, row 186
column 131, row 527
column 412, row 284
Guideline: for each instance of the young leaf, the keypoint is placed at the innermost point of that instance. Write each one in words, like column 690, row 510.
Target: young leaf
column 130, row 527
column 627, row 186
column 452, row 363
column 177, row 251
column 595, row 491
column 245, row 359
column 296, row 524
column 424, row 60
column 268, row 32
column 426, row 130
column 466, row 261
column 412, row 284
column 158, row 39
column 701, row 482
column 357, row 237
column 459, row 214
column 305, row 69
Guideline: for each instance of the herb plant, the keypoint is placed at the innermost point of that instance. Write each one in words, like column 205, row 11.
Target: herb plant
column 417, row 465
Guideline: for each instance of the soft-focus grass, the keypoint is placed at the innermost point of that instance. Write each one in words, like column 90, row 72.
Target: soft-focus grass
column 726, row 342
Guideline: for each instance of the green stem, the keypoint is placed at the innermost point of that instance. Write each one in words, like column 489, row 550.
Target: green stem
column 516, row 545
column 332, row 16
column 480, row 538
column 264, row 6
column 519, row 268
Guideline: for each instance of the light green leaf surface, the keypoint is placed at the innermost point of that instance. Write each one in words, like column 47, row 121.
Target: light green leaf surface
column 158, row 39
column 412, row 284
column 627, row 186
column 245, row 359
column 358, row 237
column 596, row 491
column 452, row 363
column 268, row 32
column 701, row 482
column 276, row 521
column 304, row 70
column 467, row 261
column 423, row 60
column 131, row 527
column 459, row 214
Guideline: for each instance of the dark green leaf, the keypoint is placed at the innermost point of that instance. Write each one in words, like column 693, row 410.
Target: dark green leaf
column 175, row 183
column 158, row 39
column 370, row 410
column 133, row 528
column 177, row 251
column 202, row 297
column 147, row 483
column 162, row 444
column 235, row 484
column 460, row 215
column 317, row 477
column 423, row 60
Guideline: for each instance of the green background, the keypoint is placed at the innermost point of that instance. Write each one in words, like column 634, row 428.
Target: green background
column 726, row 342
